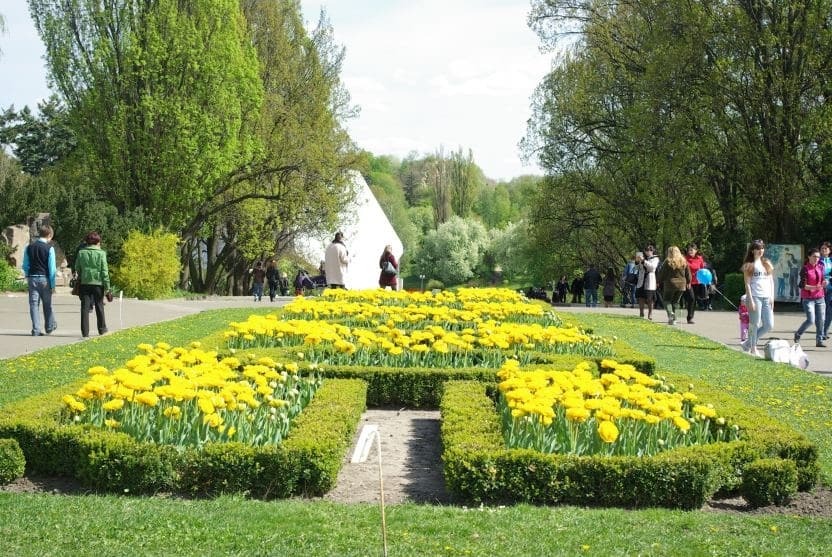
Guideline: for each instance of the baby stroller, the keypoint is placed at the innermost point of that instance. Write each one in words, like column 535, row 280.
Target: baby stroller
column 303, row 283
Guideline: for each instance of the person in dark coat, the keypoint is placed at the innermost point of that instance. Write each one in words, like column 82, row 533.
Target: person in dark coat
column 389, row 275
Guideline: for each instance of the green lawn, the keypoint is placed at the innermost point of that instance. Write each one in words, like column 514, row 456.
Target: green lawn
column 107, row 525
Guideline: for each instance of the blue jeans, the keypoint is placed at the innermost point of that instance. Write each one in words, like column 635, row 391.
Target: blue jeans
column 591, row 299
column 257, row 290
column 815, row 311
column 39, row 291
column 761, row 320
column 828, row 319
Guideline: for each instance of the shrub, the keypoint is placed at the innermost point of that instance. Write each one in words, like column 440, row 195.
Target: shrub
column 733, row 286
column 8, row 276
column 12, row 461
column 149, row 268
column 769, row 481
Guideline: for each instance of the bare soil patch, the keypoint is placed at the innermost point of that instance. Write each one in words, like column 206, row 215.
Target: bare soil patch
column 411, row 451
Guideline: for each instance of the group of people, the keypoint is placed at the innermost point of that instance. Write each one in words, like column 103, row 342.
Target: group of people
column 91, row 276
column 648, row 282
column 814, row 288
column 332, row 272
column 278, row 281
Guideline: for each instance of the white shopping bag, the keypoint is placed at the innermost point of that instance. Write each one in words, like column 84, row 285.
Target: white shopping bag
column 797, row 357
column 778, row 350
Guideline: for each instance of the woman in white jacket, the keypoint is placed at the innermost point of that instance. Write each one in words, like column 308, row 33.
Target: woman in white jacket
column 336, row 261
column 646, row 286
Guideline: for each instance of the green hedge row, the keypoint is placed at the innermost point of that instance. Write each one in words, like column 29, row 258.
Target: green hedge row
column 306, row 463
column 421, row 387
column 478, row 467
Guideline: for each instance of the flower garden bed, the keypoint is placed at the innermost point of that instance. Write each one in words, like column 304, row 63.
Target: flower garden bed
column 424, row 350
column 480, row 468
column 305, row 463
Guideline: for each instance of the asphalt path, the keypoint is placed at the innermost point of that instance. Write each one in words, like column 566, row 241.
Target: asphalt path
column 16, row 327
column 16, row 338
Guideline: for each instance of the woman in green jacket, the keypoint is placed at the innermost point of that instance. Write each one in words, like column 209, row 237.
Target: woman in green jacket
column 94, row 281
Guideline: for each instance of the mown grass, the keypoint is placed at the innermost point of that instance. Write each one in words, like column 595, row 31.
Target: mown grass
column 90, row 525
column 42, row 524
column 801, row 399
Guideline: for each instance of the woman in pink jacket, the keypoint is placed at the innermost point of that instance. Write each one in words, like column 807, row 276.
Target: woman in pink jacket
column 812, row 296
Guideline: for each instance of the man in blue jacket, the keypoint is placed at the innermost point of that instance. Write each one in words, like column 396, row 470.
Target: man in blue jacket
column 40, row 270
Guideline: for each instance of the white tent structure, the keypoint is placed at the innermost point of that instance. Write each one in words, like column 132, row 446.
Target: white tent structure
column 366, row 231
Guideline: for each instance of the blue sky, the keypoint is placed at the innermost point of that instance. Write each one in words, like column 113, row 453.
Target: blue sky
column 425, row 74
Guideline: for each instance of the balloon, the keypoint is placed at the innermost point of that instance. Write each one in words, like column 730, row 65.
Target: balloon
column 704, row 276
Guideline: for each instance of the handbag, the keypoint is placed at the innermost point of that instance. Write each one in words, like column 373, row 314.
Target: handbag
column 75, row 284
column 388, row 269
column 109, row 296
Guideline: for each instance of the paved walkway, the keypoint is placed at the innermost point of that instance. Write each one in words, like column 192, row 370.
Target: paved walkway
column 723, row 326
column 16, row 339
column 16, row 328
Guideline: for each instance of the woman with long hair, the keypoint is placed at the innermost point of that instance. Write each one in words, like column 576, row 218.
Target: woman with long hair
column 389, row 275
column 758, row 273
column 675, row 277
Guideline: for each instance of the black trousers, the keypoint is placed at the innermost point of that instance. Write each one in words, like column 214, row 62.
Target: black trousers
column 92, row 295
column 690, row 302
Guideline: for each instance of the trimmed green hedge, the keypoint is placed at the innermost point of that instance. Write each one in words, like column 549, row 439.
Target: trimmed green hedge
column 421, row 387
column 306, row 463
column 12, row 461
column 478, row 467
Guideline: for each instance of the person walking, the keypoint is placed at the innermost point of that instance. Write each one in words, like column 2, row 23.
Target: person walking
column 592, row 280
column 40, row 271
column 258, row 275
column 812, row 296
column 336, row 261
column 647, row 282
column 609, row 287
column 577, row 289
column 273, row 278
column 695, row 290
column 94, row 279
column 758, row 273
column 562, row 289
column 675, row 278
column 826, row 259
column 389, row 275
column 629, row 279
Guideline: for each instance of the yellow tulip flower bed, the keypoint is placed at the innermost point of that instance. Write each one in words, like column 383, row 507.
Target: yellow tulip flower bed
column 433, row 346
column 190, row 396
column 446, row 298
column 416, row 315
column 622, row 412
column 480, row 467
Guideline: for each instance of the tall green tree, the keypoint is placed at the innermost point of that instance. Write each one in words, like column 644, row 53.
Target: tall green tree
column 706, row 106
column 161, row 96
column 299, row 180
column 38, row 141
column 466, row 180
